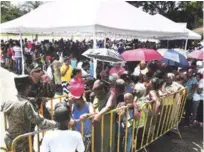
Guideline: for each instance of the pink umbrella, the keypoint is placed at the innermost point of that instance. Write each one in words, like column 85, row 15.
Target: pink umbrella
column 141, row 54
column 198, row 54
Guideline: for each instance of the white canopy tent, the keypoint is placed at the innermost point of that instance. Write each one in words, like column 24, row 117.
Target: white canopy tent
column 191, row 34
column 79, row 16
column 166, row 22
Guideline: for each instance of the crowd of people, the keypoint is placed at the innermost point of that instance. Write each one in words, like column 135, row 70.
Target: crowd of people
column 115, row 86
column 46, row 51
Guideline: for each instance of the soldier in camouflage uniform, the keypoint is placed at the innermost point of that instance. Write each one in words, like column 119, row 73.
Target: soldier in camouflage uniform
column 40, row 90
column 21, row 115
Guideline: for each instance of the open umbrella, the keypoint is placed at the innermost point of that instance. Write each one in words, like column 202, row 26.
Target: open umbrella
column 197, row 54
column 174, row 58
column 103, row 54
column 141, row 54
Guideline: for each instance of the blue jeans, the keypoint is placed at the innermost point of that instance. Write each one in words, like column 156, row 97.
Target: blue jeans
column 122, row 138
column 18, row 65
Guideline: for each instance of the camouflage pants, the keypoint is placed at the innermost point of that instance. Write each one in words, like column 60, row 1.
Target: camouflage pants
column 20, row 146
column 87, row 143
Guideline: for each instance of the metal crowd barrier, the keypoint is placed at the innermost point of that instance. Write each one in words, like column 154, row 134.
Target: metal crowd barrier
column 146, row 130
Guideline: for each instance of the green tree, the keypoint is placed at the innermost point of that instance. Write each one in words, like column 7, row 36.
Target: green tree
column 9, row 11
column 178, row 11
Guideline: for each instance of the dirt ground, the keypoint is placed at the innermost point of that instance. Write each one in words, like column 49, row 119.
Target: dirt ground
column 192, row 141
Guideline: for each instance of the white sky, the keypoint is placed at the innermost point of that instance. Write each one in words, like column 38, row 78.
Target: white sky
column 17, row 2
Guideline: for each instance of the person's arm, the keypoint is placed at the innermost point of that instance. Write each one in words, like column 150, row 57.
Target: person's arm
column 86, row 115
column 136, row 112
column 37, row 119
column 121, row 109
column 109, row 105
column 80, row 147
column 64, row 71
column 48, row 89
column 155, row 98
column 91, row 109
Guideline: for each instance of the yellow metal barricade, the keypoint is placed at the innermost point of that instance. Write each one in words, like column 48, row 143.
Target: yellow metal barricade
column 3, row 149
column 144, row 131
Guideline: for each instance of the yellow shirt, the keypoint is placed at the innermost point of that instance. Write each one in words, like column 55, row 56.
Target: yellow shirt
column 68, row 74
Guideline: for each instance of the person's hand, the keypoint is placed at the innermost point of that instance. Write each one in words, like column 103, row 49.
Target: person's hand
column 121, row 111
column 83, row 117
column 120, row 104
column 96, row 119
column 45, row 78
column 71, row 123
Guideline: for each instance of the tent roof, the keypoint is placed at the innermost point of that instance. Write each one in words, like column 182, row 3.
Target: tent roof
column 79, row 16
column 199, row 30
column 165, row 21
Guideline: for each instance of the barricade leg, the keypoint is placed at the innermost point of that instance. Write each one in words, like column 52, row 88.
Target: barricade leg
column 177, row 131
column 145, row 149
column 3, row 149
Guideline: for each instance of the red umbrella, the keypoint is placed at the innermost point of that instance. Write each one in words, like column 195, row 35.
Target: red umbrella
column 141, row 54
column 198, row 54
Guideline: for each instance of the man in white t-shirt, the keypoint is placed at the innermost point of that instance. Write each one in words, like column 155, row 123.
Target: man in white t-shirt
column 62, row 139
column 198, row 94
column 18, row 57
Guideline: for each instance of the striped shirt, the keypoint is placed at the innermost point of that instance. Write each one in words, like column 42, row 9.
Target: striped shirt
column 17, row 51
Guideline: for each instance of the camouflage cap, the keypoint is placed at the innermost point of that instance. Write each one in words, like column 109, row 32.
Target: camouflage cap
column 22, row 80
column 35, row 67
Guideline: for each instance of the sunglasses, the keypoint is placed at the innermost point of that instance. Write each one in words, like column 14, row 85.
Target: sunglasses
column 37, row 71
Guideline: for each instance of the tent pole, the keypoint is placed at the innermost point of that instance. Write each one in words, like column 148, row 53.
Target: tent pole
column 7, row 36
column 94, row 47
column 186, row 44
column 105, row 41
column 21, row 43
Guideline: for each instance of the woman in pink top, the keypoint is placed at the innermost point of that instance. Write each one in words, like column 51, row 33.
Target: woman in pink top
column 77, row 76
column 117, row 69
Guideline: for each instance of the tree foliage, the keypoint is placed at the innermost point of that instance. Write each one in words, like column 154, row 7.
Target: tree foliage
column 10, row 12
column 178, row 11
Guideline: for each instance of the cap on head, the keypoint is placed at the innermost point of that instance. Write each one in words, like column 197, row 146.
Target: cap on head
column 22, row 81
column 76, row 89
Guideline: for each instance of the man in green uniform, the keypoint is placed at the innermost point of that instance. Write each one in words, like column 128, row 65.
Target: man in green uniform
column 41, row 89
column 21, row 115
